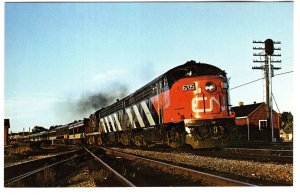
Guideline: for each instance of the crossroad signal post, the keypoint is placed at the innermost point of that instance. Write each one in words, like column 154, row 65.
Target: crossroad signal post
column 268, row 52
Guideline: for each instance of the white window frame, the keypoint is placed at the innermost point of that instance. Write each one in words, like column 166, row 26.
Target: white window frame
column 259, row 124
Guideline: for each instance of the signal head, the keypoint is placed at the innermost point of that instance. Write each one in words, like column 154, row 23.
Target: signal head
column 269, row 47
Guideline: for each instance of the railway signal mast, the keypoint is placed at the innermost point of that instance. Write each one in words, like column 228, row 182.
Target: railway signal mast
column 268, row 68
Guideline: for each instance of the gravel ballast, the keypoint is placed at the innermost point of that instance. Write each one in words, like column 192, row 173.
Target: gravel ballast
column 270, row 172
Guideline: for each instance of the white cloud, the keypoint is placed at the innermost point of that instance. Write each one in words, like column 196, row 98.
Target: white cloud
column 107, row 75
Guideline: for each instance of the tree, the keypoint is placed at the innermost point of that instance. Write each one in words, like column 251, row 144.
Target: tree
column 38, row 129
column 286, row 119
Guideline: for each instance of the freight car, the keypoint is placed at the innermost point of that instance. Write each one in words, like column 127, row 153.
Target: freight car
column 187, row 105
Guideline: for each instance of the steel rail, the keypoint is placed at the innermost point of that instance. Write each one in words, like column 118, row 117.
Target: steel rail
column 53, row 156
column 118, row 176
column 14, row 170
column 285, row 156
column 174, row 169
column 27, row 174
column 261, row 150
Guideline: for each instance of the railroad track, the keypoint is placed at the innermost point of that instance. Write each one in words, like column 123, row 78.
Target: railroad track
column 265, row 155
column 163, row 172
column 123, row 181
column 262, row 151
column 21, row 174
column 266, row 145
column 109, row 167
column 240, row 153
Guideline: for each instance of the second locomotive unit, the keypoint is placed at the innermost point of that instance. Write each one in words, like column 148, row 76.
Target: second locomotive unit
column 187, row 105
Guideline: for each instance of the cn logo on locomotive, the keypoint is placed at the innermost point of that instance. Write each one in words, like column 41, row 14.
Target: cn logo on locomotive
column 212, row 100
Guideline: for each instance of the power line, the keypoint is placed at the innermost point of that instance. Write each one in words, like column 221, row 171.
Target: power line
column 275, row 103
column 283, row 73
column 246, row 83
column 258, row 80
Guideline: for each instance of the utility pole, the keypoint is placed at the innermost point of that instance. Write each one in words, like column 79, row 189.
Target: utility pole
column 29, row 135
column 268, row 68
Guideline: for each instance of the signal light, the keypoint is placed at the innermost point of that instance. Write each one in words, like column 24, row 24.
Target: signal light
column 269, row 47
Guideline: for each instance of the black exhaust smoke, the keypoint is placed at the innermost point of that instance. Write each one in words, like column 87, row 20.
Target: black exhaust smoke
column 93, row 102
column 77, row 109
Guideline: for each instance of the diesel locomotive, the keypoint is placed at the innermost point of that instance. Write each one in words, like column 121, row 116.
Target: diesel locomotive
column 187, row 105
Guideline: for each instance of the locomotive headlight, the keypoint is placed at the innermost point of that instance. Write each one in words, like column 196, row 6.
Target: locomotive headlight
column 210, row 87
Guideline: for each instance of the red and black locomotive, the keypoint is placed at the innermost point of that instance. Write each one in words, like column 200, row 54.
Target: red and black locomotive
column 189, row 104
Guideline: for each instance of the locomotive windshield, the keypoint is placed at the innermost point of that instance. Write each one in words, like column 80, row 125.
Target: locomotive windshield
column 192, row 69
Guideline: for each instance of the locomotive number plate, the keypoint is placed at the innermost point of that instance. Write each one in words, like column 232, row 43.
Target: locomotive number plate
column 189, row 87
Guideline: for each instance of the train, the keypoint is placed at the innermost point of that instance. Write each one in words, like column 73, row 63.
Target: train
column 189, row 105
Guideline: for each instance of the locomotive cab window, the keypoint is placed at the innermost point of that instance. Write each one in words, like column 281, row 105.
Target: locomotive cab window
column 262, row 125
column 165, row 82
column 154, row 89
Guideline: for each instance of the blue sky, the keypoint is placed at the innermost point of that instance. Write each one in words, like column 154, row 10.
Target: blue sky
column 58, row 53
